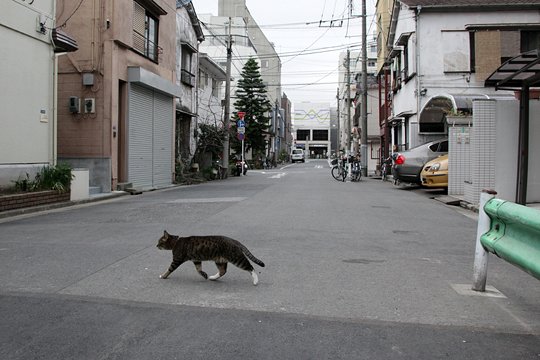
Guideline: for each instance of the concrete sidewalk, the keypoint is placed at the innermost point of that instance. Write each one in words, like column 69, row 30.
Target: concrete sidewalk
column 34, row 209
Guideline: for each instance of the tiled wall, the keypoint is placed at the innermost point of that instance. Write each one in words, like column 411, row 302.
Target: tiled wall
column 459, row 154
column 483, row 144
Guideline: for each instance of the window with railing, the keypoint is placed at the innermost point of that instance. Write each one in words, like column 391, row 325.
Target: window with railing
column 145, row 32
column 186, row 74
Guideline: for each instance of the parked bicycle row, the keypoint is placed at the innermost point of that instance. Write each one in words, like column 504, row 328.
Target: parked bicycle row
column 347, row 167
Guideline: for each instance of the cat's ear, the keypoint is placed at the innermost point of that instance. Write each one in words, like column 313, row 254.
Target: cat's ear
column 165, row 233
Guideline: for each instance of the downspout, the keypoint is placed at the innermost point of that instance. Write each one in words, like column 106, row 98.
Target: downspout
column 54, row 145
column 418, row 75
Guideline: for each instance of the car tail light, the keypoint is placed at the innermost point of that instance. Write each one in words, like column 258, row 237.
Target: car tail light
column 400, row 159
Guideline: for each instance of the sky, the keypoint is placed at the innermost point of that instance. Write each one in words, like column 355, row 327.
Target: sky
column 308, row 35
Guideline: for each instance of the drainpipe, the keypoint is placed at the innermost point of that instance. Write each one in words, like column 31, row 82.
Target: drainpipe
column 418, row 75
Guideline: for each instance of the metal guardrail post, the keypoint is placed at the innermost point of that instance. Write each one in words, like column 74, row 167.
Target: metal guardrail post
column 481, row 255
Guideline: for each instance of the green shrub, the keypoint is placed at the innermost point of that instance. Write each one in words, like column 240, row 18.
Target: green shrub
column 56, row 178
column 24, row 184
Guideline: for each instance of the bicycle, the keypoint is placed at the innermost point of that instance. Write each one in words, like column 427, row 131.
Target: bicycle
column 355, row 168
column 386, row 168
column 339, row 171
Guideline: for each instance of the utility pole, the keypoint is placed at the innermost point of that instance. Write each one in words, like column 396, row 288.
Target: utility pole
column 348, row 103
column 227, row 112
column 338, row 142
column 364, row 134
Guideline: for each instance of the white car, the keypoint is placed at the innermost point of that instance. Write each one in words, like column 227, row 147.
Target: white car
column 298, row 155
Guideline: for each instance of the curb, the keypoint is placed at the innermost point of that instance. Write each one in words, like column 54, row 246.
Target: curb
column 34, row 209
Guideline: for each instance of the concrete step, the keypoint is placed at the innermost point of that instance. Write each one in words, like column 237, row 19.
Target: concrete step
column 124, row 186
column 93, row 190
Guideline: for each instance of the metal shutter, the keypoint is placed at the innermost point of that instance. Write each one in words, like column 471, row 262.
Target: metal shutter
column 140, row 130
column 139, row 27
column 163, row 139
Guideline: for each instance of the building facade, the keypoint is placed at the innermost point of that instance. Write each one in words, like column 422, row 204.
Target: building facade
column 118, row 94
column 311, row 128
column 444, row 47
column 28, row 98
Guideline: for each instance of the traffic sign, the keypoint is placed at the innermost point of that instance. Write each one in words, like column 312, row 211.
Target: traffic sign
column 241, row 130
column 240, row 136
column 241, row 123
column 241, row 114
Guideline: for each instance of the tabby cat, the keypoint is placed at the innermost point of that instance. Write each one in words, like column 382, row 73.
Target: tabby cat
column 217, row 248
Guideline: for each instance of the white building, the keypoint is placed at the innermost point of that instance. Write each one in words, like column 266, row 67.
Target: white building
column 311, row 128
column 444, row 47
column 216, row 32
column 211, row 78
column 28, row 94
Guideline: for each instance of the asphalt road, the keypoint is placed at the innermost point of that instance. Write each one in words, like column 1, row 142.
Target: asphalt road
column 353, row 271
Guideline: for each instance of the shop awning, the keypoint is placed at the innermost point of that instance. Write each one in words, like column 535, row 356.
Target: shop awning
column 522, row 70
column 521, row 73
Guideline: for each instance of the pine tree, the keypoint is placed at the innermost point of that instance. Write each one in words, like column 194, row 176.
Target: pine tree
column 252, row 100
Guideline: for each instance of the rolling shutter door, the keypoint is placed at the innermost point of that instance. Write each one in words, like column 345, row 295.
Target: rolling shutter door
column 163, row 140
column 140, row 130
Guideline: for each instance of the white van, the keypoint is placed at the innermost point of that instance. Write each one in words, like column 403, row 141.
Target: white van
column 298, row 155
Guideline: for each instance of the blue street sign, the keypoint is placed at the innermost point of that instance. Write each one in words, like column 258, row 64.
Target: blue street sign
column 241, row 123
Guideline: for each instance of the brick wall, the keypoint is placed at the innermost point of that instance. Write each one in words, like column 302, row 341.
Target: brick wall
column 18, row 201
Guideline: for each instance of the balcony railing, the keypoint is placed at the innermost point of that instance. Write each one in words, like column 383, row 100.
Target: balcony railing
column 146, row 47
column 187, row 78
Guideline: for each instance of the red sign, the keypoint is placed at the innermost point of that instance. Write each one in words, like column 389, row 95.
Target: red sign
column 241, row 114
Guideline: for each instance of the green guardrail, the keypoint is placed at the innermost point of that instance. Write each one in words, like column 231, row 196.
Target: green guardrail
column 514, row 234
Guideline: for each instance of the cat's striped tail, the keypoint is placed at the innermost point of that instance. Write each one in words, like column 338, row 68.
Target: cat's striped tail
column 251, row 256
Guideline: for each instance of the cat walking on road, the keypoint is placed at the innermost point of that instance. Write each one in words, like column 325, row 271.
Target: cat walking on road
column 220, row 249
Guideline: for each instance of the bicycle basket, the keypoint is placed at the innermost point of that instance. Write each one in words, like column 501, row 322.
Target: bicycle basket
column 333, row 162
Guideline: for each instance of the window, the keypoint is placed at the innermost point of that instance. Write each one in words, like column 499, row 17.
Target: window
column 145, row 32
column 433, row 116
column 321, row 135
column 456, row 51
column 215, row 88
column 405, row 69
column 186, row 76
column 302, row 135
column 530, row 40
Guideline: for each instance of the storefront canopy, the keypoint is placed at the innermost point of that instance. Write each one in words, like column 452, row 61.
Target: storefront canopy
column 520, row 73
column 522, row 70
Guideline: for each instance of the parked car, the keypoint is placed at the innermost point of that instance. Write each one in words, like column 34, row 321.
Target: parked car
column 408, row 164
column 435, row 173
column 298, row 155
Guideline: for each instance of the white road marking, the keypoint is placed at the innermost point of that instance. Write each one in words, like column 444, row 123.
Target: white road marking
column 208, row 200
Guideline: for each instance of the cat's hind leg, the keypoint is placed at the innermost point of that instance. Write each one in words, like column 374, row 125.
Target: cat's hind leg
column 198, row 266
column 222, row 269
column 244, row 264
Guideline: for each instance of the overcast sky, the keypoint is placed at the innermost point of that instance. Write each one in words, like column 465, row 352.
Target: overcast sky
column 309, row 52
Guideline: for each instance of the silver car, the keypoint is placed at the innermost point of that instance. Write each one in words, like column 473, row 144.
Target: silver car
column 298, row 155
column 408, row 164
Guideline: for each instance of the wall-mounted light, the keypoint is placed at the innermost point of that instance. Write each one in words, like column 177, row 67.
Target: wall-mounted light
column 40, row 26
